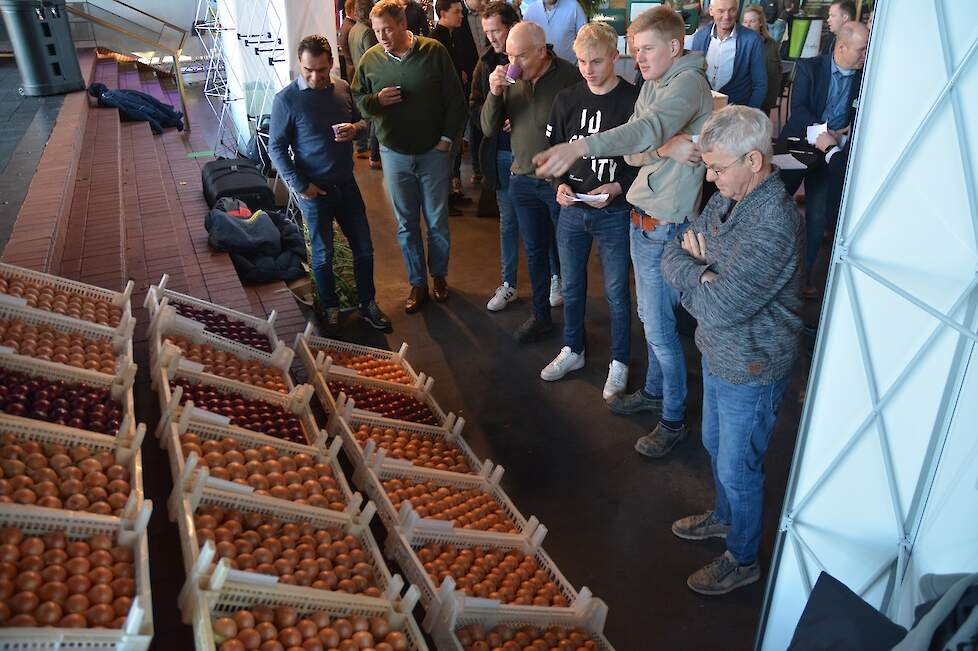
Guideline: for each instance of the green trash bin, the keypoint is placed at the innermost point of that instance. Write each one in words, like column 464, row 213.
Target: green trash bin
column 41, row 40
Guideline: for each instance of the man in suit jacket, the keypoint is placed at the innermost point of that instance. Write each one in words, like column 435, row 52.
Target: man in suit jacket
column 734, row 56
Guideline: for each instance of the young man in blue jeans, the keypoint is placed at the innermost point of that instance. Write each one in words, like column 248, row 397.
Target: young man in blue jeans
column 317, row 118
column 675, row 99
column 601, row 102
column 739, row 267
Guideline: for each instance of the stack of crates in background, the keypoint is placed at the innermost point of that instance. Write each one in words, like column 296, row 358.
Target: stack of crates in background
column 275, row 543
column 483, row 577
column 71, row 491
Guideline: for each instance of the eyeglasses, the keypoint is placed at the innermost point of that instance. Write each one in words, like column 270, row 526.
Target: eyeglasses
column 720, row 171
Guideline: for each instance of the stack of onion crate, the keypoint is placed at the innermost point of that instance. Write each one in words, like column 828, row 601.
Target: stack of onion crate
column 71, row 465
column 422, row 477
column 265, row 514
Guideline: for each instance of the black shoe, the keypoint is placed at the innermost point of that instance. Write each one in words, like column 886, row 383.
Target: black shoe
column 532, row 329
column 373, row 315
column 417, row 298
column 439, row 288
column 331, row 321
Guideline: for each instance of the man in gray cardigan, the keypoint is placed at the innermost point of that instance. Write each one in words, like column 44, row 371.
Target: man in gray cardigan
column 739, row 267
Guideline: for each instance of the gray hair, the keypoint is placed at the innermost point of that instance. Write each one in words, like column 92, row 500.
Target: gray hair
column 737, row 130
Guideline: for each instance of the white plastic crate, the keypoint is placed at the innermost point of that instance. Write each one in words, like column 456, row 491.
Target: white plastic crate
column 445, row 639
column 117, row 299
column 120, row 385
column 157, row 293
column 166, row 321
column 138, row 629
column 120, row 337
column 201, row 560
column 127, row 453
column 346, row 423
column 192, row 477
column 313, row 347
column 295, row 402
column 402, row 545
column 369, row 477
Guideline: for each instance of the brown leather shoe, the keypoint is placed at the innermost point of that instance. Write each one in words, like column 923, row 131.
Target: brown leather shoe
column 417, row 298
column 439, row 288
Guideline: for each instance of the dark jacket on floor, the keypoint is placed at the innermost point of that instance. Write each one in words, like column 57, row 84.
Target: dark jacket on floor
column 138, row 106
column 748, row 85
column 748, row 318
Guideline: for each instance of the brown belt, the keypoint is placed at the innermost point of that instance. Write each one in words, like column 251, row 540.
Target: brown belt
column 645, row 222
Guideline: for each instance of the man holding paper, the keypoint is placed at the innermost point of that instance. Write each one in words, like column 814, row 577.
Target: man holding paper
column 592, row 203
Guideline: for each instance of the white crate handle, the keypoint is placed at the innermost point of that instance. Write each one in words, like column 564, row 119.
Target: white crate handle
column 163, row 281
column 537, row 534
column 409, row 600
column 282, row 356
column 393, row 588
column 354, row 506
column 127, row 292
column 141, row 521
column 334, row 448
column 309, row 331
column 401, row 352
column 134, row 619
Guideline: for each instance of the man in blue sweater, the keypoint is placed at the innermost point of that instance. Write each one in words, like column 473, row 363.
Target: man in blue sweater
column 734, row 56
column 317, row 117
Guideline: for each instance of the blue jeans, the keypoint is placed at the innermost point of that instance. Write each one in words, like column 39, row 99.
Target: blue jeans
column 509, row 228
column 535, row 203
column 343, row 203
column 577, row 228
column 657, row 303
column 420, row 184
column 738, row 420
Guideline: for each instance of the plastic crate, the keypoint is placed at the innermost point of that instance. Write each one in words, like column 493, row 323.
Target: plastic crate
column 201, row 606
column 369, row 477
column 159, row 296
column 138, row 629
column 401, row 547
column 166, row 321
column 313, row 347
column 345, row 424
column 445, row 639
column 120, row 386
column 120, row 337
column 192, row 477
column 295, row 402
column 202, row 560
column 118, row 299
column 127, row 453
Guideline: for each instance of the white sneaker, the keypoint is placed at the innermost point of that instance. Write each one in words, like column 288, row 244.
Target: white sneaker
column 565, row 362
column 504, row 296
column 617, row 379
column 556, row 298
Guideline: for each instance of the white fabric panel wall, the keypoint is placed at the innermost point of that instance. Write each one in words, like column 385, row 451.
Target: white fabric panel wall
column 883, row 486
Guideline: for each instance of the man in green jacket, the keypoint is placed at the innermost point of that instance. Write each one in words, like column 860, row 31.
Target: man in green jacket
column 408, row 87
column 526, row 103
column 675, row 99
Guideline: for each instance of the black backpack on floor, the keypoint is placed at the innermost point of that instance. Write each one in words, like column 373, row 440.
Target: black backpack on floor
column 238, row 178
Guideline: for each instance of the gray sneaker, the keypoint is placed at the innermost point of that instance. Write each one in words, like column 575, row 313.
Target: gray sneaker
column 634, row 403
column 660, row 441
column 700, row 527
column 722, row 575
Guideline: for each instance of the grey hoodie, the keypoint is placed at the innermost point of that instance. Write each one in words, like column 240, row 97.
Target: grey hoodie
column 679, row 102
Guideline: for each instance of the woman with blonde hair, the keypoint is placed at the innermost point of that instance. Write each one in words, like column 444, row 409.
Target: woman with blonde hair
column 753, row 18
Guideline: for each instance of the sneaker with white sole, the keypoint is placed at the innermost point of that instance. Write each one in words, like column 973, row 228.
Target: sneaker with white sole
column 565, row 362
column 556, row 297
column 617, row 379
column 504, row 296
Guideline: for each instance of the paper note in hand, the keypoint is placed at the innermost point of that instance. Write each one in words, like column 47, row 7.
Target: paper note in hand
column 815, row 130
column 590, row 198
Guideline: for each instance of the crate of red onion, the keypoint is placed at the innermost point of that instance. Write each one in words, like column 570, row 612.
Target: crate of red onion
column 54, row 338
column 443, row 500
column 235, row 616
column 55, row 467
column 375, row 438
column 224, row 402
column 237, row 327
column 412, row 404
column 84, row 578
column 353, row 359
column 20, row 286
column 462, row 574
column 218, row 355
column 213, row 457
column 68, row 397
column 503, row 631
column 273, row 543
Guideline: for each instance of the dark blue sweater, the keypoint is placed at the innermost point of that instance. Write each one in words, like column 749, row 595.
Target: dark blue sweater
column 303, row 118
column 748, row 85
